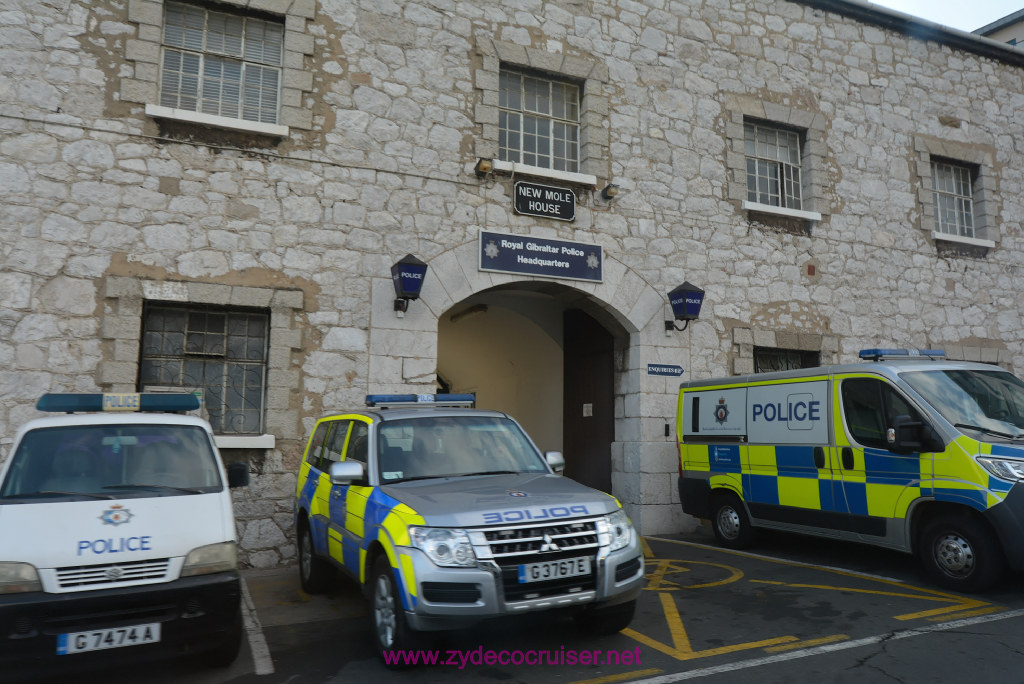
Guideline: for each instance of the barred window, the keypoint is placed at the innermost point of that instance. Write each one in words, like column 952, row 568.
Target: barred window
column 773, row 165
column 222, row 64
column 954, row 204
column 221, row 353
column 538, row 121
column 768, row 359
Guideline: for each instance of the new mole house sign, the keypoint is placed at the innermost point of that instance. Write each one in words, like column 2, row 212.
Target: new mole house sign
column 544, row 200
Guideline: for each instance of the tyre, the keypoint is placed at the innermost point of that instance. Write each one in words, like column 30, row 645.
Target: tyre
column 314, row 572
column 227, row 650
column 960, row 553
column 730, row 522
column 391, row 632
column 605, row 621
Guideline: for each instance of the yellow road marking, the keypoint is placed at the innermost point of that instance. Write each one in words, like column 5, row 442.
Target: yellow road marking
column 656, row 580
column 619, row 677
column 681, row 648
column 808, row 643
column 970, row 613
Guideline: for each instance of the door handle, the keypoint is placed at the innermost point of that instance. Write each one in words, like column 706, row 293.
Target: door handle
column 819, row 457
column 847, row 458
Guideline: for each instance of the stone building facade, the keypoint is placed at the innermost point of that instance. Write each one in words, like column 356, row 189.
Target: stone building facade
column 124, row 204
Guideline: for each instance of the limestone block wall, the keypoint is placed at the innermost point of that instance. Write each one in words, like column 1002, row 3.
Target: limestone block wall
column 386, row 130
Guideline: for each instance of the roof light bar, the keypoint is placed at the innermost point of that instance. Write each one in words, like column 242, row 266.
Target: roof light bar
column 880, row 354
column 118, row 402
column 421, row 400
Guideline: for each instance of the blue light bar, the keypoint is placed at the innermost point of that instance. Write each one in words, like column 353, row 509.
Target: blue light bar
column 879, row 354
column 118, row 402
column 412, row 400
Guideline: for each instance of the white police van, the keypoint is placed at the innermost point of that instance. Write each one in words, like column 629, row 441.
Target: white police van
column 117, row 538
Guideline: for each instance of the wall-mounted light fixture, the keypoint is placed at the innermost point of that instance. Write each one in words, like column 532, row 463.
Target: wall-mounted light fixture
column 407, row 275
column 686, row 301
column 483, row 167
column 610, row 191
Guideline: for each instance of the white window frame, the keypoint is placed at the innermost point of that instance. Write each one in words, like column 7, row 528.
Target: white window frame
column 235, row 49
column 533, row 100
column 591, row 75
column 953, row 197
column 774, row 165
column 977, row 161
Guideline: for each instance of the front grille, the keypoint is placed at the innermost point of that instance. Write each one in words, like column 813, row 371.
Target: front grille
column 536, row 543
column 113, row 573
column 521, row 542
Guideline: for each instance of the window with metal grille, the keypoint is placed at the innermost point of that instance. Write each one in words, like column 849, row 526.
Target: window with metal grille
column 773, row 165
column 221, row 64
column 768, row 359
column 954, row 203
column 538, row 121
column 221, row 353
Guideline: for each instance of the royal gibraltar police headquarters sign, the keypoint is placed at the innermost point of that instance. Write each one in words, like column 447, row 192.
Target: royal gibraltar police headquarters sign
column 544, row 200
column 540, row 257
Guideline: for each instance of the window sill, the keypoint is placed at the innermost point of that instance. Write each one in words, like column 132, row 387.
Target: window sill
column 977, row 242
column 158, row 112
column 781, row 211
column 244, row 441
column 515, row 168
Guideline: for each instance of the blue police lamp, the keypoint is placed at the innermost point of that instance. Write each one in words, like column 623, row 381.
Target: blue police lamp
column 686, row 301
column 407, row 275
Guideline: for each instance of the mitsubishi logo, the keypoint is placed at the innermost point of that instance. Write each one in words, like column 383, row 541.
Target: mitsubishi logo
column 549, row 544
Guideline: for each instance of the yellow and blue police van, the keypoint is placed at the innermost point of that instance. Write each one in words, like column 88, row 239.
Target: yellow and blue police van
column 906, row 450
column 447, row 515
column 117, row 538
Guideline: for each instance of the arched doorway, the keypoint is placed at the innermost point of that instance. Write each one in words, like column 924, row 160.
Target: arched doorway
column 545, row 353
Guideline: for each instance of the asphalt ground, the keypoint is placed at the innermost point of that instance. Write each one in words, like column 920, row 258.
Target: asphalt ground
column 792, row 608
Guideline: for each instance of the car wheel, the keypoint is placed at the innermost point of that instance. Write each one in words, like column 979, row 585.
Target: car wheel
column 730, row 522
column 960, row 553
column 391, row 632
column 605, row 621
column 314, row 572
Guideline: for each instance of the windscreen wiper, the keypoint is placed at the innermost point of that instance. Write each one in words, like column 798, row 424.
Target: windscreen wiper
column 132, row 485
column 95, row 495
column 987, row 431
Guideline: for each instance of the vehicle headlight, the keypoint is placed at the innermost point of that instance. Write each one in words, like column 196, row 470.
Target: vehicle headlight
column 446, row 547
column 208, row 559
column 615, row 530
column 17, row 578
column 1004, row 469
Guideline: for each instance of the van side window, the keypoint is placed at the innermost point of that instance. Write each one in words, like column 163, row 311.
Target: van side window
column 869, row 407
column 335, row 445
column 317, row 443
column 358, row 444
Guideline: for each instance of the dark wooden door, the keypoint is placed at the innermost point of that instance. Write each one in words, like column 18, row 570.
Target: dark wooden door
column 589, row 401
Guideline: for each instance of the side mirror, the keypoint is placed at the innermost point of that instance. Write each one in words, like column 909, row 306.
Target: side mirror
column 907, row 436
column 238, row 474
column 346, row 472
column 555, row 460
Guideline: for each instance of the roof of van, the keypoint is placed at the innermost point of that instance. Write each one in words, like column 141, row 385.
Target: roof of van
column 887, row 368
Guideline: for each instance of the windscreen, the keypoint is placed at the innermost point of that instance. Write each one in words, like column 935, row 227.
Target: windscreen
column 438, row 446
column 989, row 402
column 111, row 461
